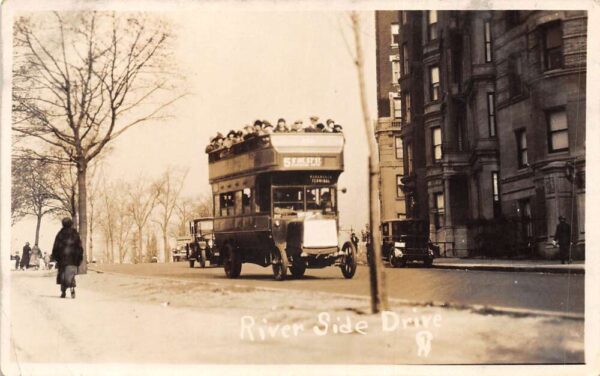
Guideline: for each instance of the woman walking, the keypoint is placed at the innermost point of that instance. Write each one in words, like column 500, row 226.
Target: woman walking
column 68, row 254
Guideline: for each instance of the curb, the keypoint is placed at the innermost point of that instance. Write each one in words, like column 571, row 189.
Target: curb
column 476, row 308
column 508, row 268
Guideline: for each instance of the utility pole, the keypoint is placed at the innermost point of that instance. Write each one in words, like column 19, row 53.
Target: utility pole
column 379, row 300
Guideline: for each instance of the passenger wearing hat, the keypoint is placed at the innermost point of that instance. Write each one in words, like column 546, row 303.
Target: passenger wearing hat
column 249, row 132
column 267, row 127
column 212, row 145
column 562, row 236
column 230, row 139
column 313, row 121
column 329, row 126
column 337, row 128
column 297, row 126
column 316, row 128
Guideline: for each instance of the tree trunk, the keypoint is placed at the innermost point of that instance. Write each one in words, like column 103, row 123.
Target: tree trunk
column 91, row 247
column 140, row 241
column 82, row 211
column 166, row 247
column 377, row 277
column 37, row 228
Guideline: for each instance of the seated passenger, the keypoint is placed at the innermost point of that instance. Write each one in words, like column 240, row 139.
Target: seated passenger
column 230, row 139
column 297, row 127
column 337, row 128
column 249, row 132
column 281, row 126
column 329, row 126
column 313, row 121
column 267, row 127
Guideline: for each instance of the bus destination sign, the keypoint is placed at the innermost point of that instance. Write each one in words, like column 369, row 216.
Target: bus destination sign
column 302, row 161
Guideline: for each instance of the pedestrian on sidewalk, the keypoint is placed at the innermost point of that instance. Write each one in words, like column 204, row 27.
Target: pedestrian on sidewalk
column 25, row 256
column 17, row 258
column 68, row 254
column 34, row 260
column 562, row 236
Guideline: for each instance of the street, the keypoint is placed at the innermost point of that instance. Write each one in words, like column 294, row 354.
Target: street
column 121, row 318
column 536, row 291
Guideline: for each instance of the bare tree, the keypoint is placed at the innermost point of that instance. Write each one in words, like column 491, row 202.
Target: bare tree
column 168, row 190
column 32, row 184
column 81, row 79
column 188, row 208
column 141, row 203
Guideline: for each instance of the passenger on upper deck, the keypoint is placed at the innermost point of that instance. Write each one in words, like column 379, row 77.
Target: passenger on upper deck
column 337, row 128
column 267, row 127
column 249, row 132
column 281, row 126
column 297, row 127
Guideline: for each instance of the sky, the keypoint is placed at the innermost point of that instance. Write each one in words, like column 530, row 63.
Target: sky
column 238, row 67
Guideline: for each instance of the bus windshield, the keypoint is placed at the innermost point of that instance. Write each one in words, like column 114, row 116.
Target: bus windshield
column 291, row 200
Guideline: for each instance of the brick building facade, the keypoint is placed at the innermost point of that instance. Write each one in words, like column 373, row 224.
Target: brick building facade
column 481, row 123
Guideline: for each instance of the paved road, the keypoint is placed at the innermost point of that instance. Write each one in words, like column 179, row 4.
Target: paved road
column 548, row 292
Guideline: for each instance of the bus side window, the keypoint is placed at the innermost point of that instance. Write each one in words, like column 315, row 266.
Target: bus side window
column 247, row 201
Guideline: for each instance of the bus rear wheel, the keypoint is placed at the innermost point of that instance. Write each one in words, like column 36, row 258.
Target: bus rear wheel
column 280, row 264
column 298, row 268
column 349, row 263
column 232, row 263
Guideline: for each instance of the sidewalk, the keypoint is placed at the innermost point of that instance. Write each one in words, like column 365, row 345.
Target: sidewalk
column 536, row 266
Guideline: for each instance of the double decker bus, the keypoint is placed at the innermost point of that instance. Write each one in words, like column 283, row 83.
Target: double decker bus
column 275, row 203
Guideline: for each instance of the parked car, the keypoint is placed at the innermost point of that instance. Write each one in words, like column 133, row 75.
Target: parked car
column 405, row 241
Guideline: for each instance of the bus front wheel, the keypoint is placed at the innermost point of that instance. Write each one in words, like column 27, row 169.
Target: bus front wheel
column 232, row 263
column 280, row 264
column 348, row 265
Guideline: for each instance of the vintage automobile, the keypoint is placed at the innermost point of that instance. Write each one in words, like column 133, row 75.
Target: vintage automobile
column 405, row 241
column 180, row 253
column 202, row 247
column 275, row 204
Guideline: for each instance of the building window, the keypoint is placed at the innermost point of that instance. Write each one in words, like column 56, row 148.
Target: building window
column 522, row 148
column 395, row 69
column 396, row 105
column 438, row 211
column 436, row 142
column 432, row 32
column 496, row 194
column 434, row 83
column 399, row 186
column 247, row 201
column 515, row 84
column 405, row 60
column 409, row 159
column 487, row 33
column 552, row 42
column 404, row 17
column 398, row 147
column 558, row 131
column 407, row 108
column 491, row 106
column 395, row 32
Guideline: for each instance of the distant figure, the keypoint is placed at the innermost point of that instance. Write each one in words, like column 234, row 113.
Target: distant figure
column 49, row 264
column 34, row 260
column 25, row 256
column 17, row 258
column 68, row 254
column 562, row 236
column 354, row 239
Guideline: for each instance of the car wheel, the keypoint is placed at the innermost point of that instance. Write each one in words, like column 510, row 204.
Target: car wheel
column 428, row 263
column 397, row 262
